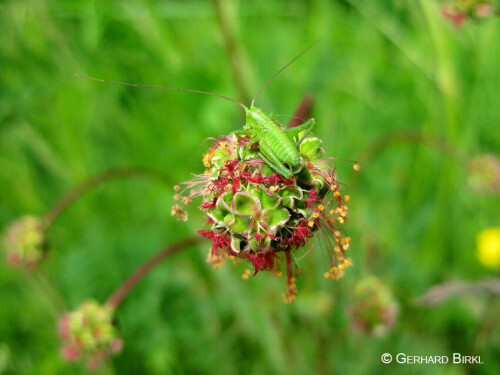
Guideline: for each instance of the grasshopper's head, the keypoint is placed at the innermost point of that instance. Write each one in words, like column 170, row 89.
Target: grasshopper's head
column 256, row 119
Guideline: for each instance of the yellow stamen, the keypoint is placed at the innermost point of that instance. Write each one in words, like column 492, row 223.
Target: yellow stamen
column 215, row 260
column 273, row 189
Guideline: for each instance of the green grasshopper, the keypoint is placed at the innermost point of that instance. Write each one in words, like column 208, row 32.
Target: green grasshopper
column 277, row 146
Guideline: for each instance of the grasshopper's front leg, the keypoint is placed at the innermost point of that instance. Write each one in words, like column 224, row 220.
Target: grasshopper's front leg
column 253, row 138
column 308, row 126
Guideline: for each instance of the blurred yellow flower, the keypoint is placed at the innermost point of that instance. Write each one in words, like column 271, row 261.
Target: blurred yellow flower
column 488, row 247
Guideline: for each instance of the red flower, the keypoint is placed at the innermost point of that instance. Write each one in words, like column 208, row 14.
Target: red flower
column 453, row 15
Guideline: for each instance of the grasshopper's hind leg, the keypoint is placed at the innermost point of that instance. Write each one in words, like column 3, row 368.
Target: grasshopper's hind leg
column 268, row 155
column 307, row 126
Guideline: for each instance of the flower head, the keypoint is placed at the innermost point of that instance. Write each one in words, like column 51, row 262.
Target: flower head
column 88, row 334
column 373, row 309
column 23, row 242
column 488, row 247
column 457, row 11
column 258, row 215
column 484, row 173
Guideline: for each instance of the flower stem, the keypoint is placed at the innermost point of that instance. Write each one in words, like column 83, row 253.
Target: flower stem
column 137, row 276
column 303, row 111
column 46, row 292
column 94, row 181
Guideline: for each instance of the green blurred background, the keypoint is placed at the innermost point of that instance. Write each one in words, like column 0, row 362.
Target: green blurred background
column 388, row 78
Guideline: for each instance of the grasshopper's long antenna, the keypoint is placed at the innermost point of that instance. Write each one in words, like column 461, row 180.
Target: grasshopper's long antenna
column 279, row 71
column 162, row 88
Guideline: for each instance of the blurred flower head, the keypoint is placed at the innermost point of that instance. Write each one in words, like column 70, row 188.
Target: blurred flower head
column 457, row 11
column 23, row 242
column 488, row 247
column 258, row 215
column 373, row 309
column 88, row 334
column 484, row 173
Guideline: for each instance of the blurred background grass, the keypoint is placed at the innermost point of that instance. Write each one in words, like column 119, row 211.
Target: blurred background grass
column 381, row 70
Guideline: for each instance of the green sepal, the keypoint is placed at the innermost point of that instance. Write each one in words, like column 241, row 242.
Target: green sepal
column 246, row 204
column 267, row 171
column 311, row 148
column 287, row 192
column 266, row 200
column 257, row 247
column 235, row 244
column 305, row 213
column 217, row 216
column 219, row 163
column 224, row 203
column 219, row 154
column 287, row 202
column 272, row 217
column 238, row 224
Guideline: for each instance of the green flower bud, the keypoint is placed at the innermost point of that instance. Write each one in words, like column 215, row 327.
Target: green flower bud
column 23, row 242
column 88, row 334
column 373, row 309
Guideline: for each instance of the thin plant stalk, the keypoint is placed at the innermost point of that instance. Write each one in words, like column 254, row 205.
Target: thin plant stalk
column 303, row 111
column 142, row 271
column 46, row 291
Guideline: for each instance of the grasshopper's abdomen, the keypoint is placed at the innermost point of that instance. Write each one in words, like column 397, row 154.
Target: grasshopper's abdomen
column 283, row 147
column 272, row 136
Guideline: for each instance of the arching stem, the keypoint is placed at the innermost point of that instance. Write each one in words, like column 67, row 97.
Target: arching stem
column 303, row 112
column 142, row 271
column 94, row 181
